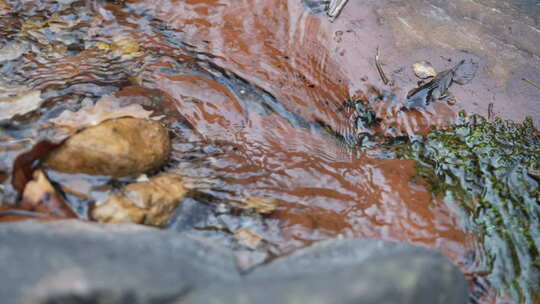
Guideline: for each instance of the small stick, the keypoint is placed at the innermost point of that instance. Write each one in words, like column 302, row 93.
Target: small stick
column 531, row 83
column 336, row 6
column 490, row 111
column 379, row 68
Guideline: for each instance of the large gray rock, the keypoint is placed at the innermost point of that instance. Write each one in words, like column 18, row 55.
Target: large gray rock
column 40, row 260
column 77, row 262
column 347, row 271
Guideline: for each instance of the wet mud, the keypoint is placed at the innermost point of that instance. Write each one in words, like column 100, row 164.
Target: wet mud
column 256, row 94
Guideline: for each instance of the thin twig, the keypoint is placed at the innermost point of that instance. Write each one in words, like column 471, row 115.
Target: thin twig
column 379, row 69
column 335, row 8
column 490, row 111
column 531, row 83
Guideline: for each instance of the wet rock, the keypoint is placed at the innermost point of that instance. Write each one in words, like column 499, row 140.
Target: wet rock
column 72, row 262
column 347, row 271
column 73, row 259
column 149, row 202
column 118, row 147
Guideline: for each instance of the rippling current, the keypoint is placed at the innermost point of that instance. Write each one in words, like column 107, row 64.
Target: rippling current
column 256, row 105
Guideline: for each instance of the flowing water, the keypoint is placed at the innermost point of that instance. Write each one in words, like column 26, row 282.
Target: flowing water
column 255, row 94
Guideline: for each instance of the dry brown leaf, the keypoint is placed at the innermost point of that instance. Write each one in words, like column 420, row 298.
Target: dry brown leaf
column 40, row 196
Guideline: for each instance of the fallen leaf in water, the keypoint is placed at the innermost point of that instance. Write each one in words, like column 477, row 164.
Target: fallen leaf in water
column 248, row 238
column 424, row 69
column 150, row 202
column 420, row 97
column 20, row 105
column 262, row 205
column 106, row 108
column 24, row 163
column 40, row 196
column 117, row 147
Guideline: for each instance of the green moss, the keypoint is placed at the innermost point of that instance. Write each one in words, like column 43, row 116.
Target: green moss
column 485, row 166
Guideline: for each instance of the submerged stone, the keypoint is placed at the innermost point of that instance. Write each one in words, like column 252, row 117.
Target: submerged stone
column 118, row 147
column 149, row 202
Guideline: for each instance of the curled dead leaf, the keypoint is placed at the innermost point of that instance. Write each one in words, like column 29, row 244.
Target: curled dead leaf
column 41, row 197
column 23, row 167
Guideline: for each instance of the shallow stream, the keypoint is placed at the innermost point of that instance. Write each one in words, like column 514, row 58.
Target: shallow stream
column 257, row 98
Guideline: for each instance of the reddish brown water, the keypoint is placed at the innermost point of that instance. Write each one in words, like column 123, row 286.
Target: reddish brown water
column 245, row 86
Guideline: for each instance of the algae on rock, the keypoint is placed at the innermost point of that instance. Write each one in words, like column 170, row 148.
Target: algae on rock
column 486, row 167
